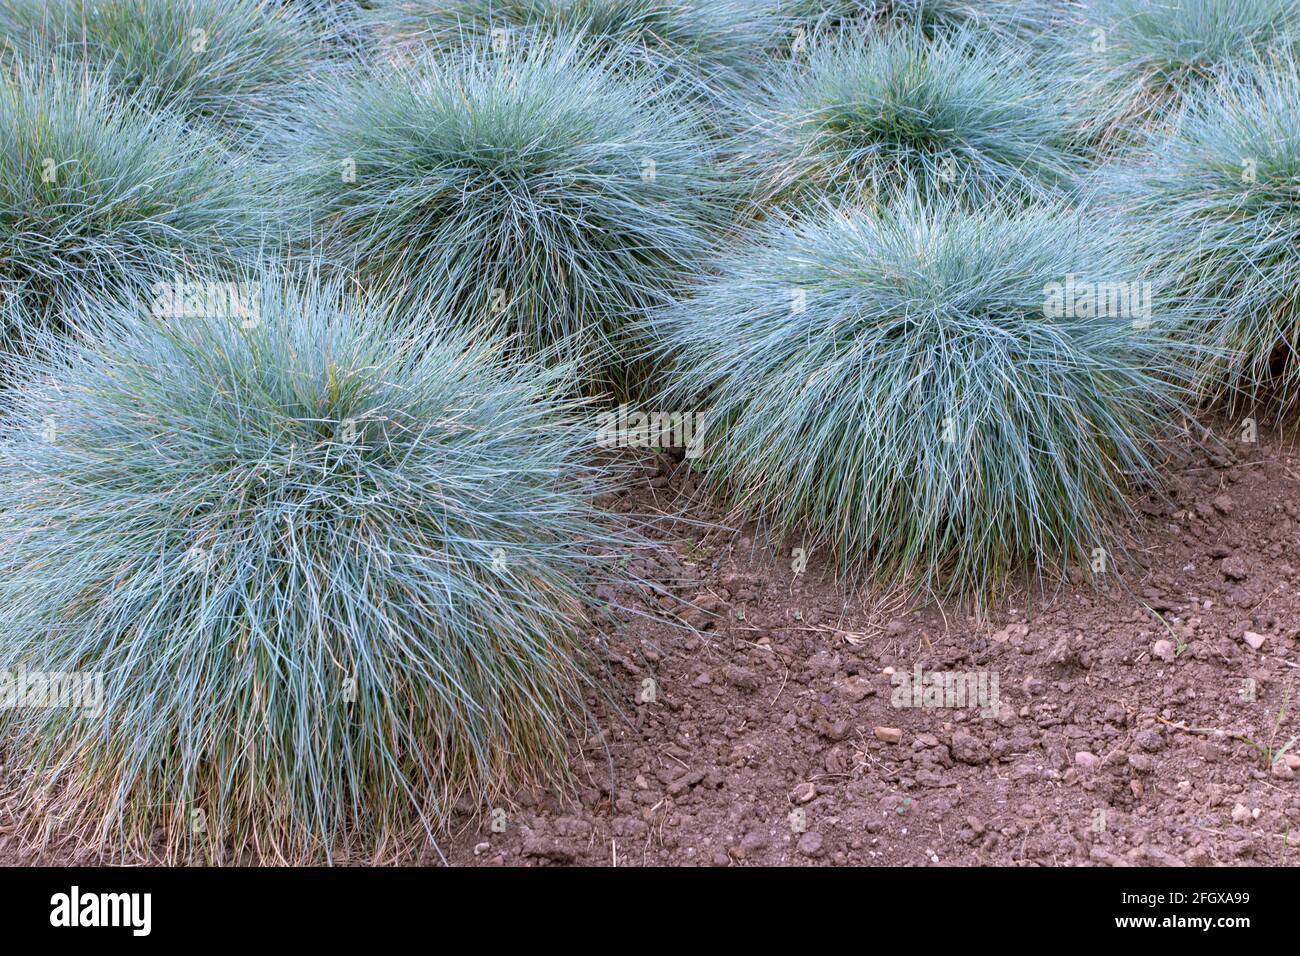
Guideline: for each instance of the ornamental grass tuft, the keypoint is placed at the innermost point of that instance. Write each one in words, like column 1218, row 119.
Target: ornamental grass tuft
column 328, row 583
column 862, row 116
column 237, row 64
column 1138, row 60
column 99, row 198
column 1218, row 197
column 935, row 397
column 535, row 196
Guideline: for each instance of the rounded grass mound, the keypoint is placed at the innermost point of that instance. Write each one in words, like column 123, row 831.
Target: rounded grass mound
column 934, row 397
column 535, row 195
column 707, row 46
column 328, row 585
column 1219, row 200
column 955, row 117
column 99, row 198
column 1142, row 58
column 1021, row 20
column 235, row 63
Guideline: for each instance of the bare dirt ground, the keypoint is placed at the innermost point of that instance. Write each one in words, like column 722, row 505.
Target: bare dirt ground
column 759, row 728
column 1121, row 735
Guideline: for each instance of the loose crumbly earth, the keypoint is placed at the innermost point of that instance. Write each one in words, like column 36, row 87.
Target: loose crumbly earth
column 1136, row 720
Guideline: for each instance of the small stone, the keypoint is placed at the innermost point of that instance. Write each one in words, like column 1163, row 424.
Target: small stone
column 889, row 735
column 1292, row 761
column 1256, row 641
column 1086, row 760
column 1234, row 568
column 1223, row 505
column 481, row 848
column 1141, row 763
column 804, row 793
column 967, row 748
column 1240, row 814
column 810, row 844
column 855, row 689
column 1149, row 740
column 1164, row 650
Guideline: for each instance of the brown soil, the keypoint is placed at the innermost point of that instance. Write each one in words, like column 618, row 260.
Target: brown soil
column 764, row 745
column 772, row 738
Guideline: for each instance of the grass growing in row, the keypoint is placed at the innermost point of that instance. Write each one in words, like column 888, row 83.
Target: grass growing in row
column 863, row 116
column 333, row 584
column 534, row 195
column 1218, row 198
column 896, row 389
column 233, row 63
column 100, row 198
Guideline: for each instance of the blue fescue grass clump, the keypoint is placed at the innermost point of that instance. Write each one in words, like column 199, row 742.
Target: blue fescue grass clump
column 926, row 394
column 233, row 63
column 1141, row 59
column 332, row 583
column 533, row 195
column 100, row 198
column 1218, row 198
column 705, row 46
column 1019, row 20
column 956, row 117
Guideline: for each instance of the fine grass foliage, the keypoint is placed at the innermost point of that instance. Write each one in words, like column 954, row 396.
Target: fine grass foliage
column 535, row 195
column 233, row 63
column 862, row 116
column 1020, row 20
column 99, row 197
column 331, row 584
column 706, row 46
column 898, row 390
column 1219, row 201
column 1140, row 59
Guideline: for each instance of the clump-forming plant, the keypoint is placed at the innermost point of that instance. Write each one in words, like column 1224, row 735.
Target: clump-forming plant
column 863, row 116
column 234, row 63
column 330, row 584
column 706, row 46
column 1138, row 59
column 1019, row 20
column 535, row 195
column 1219, row 200
column 935, row 397
column 101, row 198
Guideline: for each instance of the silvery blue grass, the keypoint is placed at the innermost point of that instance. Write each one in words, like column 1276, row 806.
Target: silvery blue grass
column 235, row 63
column 707, row 47
column 333, row 583
column 1217, row 199
column 1019, row 20
column 1138, row 59
column 97, row 197
column 861, row 116
column 913, row 392
column 534, row 195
